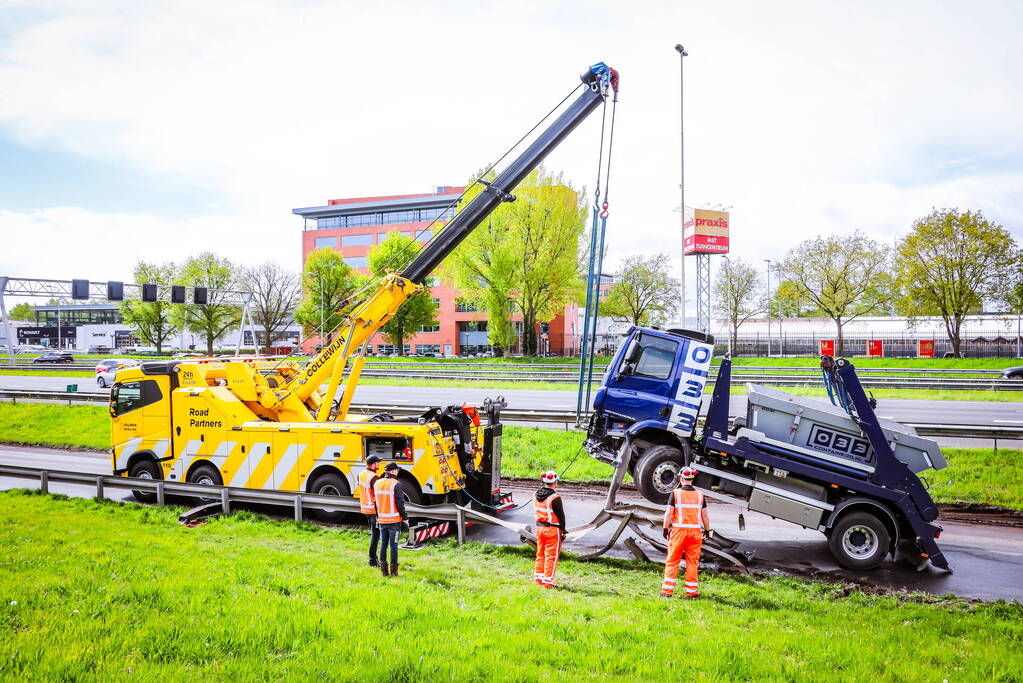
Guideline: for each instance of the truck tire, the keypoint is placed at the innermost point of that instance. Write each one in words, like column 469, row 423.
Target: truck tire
column 207, row 475
column 859, row 540
column 145, row 469
column 657, row 471
column 330, row 484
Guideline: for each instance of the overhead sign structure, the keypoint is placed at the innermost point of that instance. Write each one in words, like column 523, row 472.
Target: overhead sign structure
column 706, row 232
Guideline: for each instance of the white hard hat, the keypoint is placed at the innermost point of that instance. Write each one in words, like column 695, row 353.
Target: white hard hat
column 549, row 477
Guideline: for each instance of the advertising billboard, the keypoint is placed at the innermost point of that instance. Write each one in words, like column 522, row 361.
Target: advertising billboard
column 705, row 232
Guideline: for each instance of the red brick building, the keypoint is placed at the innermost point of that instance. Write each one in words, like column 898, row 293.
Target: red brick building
column 354, row 226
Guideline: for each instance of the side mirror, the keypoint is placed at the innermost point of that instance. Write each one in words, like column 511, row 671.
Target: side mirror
column 633, row 353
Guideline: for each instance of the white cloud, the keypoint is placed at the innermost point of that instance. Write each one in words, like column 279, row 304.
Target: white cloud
column 807, row 117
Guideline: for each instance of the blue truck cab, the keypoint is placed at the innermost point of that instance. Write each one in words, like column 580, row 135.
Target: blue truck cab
column 837, row 469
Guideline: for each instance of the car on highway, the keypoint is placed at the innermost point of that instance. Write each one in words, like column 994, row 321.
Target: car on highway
column 107, row 369
column 55, row 357
column 1013, row 373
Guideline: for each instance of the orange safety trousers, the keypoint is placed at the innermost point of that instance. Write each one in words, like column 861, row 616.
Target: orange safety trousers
column 685, row 542
column 548, row 549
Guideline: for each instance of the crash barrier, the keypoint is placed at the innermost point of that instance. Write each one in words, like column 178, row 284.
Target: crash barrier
column 562, row 417
column 219, row 499
column 641, row 519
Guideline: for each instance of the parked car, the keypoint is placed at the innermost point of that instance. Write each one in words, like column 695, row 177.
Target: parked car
column 99, row 350
column 1013, row 373
column 107, row 369
column 55, row 357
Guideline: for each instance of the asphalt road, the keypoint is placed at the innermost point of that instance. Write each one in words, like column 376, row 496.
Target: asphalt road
column 988, row 561
column 948, row 412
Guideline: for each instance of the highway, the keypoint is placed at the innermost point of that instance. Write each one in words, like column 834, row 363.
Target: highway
column 948, row 412
column 988, row 560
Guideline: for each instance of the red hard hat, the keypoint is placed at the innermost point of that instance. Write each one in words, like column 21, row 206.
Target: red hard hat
column 689, row 473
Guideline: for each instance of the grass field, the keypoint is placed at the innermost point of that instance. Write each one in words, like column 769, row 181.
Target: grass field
column 101, row 591
column 973, row 475
column 53, row 373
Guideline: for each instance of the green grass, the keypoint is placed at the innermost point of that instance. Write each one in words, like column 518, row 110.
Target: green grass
column 39, row 424
column 51, row 373
column 928, row 363
column 973, row 475
column 100, row 591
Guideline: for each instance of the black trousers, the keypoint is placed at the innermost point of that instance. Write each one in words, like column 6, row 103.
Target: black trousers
column 374, row 535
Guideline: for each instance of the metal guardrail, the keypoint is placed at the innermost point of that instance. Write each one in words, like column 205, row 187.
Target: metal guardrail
column 565, row 417
column 299, row 502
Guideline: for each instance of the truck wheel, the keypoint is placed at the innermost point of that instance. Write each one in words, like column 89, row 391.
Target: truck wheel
column 207, row 475
column 330, row 484
column 657, row 471
column 145, row 469
column 859, row 541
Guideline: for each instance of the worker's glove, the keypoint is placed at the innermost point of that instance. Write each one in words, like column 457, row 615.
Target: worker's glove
column 563, row 534
column 665, row 532
column 708, row 533
column 404, row 526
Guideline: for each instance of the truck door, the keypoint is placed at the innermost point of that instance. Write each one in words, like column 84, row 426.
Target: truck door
column 141, row 419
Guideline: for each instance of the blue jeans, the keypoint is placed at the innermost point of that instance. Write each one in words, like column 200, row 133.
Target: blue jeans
column 374, row 535
column 389, row 538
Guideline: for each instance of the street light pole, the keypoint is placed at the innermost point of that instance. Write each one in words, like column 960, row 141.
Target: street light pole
column 682, row 54
column 768, row 305
column 731, row 309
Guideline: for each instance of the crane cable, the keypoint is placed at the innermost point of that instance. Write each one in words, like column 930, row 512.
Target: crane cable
column 454, row 203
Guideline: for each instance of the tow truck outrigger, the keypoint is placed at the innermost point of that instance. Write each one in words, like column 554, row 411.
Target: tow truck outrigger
column 267, row 424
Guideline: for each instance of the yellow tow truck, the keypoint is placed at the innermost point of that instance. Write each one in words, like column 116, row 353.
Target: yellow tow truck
column 262, row 423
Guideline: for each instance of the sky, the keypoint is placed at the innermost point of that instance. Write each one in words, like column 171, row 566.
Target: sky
column 152, row 131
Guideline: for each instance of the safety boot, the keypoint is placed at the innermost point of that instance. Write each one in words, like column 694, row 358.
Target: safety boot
column 373, row 562
column 383, row 569
column 394, row 569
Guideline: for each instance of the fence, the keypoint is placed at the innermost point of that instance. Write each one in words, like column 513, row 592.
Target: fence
column 895, row 346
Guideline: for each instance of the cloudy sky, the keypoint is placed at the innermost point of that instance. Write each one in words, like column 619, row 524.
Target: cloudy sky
column 154, row 130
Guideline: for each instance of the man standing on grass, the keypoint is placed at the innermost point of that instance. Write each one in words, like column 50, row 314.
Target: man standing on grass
column 685, row 521
column 367, row 504
column 390, row 504
column 550, row 529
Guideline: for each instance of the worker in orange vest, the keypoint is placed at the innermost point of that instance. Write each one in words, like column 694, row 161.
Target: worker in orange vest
column 367, row 505
column 390, row 504
column 685, row 522
column 550, row 529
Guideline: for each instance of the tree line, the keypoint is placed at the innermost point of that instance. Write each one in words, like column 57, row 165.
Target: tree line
column 952, row 264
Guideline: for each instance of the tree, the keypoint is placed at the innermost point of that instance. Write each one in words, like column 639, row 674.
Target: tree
column 153, row 322
column 844, row 276
column 214, row 318
column 525, row 252
column 788, row 301
column 949, row 264
column 22, row 312
column 329, row 285
column 738, row 294
column 275, row 294
column 418, row 310
column 643, row 292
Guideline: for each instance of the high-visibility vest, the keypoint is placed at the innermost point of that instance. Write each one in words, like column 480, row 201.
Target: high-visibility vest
column 544, row 509
column 686, row 509
column 367, row 504
column 387, row 509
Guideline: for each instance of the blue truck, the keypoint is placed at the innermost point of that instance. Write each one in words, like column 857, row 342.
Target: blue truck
column 836, row 468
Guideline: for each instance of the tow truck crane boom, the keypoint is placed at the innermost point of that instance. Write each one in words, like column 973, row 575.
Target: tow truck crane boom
column 302, row 395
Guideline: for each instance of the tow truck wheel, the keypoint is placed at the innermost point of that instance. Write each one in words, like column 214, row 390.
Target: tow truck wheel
column 207, row 475
column 859, row 541
column 330, row 484
column 145, row 469
column 657, row 471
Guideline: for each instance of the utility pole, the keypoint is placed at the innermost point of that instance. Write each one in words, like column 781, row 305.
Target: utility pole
column 768, row 305
column 682, row 54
